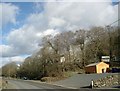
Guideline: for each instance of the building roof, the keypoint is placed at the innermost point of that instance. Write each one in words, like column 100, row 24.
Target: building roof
column 108, row 57
column 93, row 64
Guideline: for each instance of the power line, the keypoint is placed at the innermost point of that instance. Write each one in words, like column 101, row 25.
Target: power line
column 109, row 29
column 114, row 22
column 110, row 50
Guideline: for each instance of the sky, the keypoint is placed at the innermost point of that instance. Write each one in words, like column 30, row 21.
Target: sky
column 24, row 24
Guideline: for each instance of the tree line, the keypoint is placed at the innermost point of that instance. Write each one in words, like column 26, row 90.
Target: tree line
column 78, row 48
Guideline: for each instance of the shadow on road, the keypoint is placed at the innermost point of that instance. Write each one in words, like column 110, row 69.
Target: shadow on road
column 86, row 87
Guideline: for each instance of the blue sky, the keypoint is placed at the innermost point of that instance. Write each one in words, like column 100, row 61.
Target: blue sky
column 25, row 8
column 25, row 23
column 115, row 2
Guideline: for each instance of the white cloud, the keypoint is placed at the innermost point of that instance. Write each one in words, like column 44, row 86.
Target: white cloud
column 8, row 13
column 56, row 22
column 6, row 50
column 50, row 31
column 38, row 20
column 55, row 18
column 23, row 40
column 16, row 59
column 83, row 14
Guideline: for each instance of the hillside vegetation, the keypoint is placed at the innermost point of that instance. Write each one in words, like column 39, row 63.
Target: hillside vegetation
column 67, row 52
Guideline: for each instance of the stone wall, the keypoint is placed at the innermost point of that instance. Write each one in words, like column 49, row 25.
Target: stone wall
column 108, row 81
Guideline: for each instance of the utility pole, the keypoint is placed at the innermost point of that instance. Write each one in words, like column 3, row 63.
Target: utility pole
column 110, row 42
column 118, row 44
column 118, row 49
column 110, row 47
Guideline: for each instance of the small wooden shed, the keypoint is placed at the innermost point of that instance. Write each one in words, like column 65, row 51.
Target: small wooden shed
column 99, row 67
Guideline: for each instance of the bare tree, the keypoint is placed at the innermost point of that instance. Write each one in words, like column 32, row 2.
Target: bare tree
column 9, row 70
column 80, row 37
column 98, row 45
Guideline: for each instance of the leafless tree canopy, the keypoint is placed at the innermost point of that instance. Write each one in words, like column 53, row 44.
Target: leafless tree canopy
column 79, row 48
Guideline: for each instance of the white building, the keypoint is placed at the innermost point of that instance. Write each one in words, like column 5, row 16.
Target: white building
column 62, row 59
column 105, row 58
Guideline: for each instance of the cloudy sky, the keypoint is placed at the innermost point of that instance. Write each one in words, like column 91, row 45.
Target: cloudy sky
column 23, row 24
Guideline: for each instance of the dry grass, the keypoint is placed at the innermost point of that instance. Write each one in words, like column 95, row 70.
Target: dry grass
column 58, row 78
column 51, row 79
column 0, row 83
column 3, row 83
column 69, row 74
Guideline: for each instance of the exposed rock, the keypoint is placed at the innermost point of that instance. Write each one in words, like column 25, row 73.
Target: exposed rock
column 107, row 81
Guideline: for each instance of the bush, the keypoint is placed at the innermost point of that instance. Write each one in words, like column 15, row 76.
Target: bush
column 53, row 70
column 50, row 79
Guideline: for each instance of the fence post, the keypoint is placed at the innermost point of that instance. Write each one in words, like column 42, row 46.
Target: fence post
column 92, row 83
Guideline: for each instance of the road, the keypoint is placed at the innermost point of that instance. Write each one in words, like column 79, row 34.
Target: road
column 81, row 80
column 26, row 84
column 78, row 81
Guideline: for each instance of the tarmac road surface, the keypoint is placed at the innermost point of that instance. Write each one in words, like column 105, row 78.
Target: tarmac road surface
column 26, row 84
column 76, row 82
column 81, row 80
